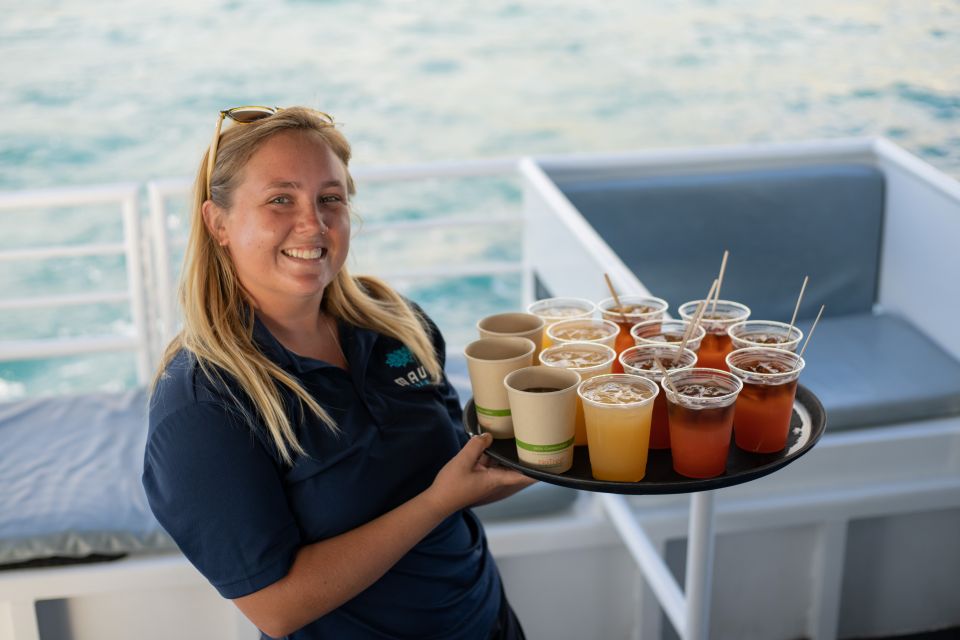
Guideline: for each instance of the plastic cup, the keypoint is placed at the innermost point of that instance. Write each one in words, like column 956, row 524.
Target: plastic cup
column 544, row 402
column 557, row 309
column 716, row 343
column 639, row 361
column 666, row 331
column 635, row 309
column 589, row 359
column 489, row 360
column 764, row 333
column 516, row 325
column 764, row 408
column 700, row 426
column 618, row 408
column 584, row 330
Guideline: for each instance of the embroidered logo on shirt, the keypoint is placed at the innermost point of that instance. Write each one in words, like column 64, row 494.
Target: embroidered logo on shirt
column 399, row 358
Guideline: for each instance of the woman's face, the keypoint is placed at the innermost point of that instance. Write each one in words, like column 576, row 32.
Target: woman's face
column 288, row 228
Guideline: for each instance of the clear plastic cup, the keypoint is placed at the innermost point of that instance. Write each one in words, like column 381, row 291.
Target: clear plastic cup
column 765, row 333
column 589, row 359
column 700, row 424
column 584, row 330
column 640, row 361
column 765, row 406
column 557, row 309
column 715, row 320
column 635, row 309
column 666, row 331
column 618, row 409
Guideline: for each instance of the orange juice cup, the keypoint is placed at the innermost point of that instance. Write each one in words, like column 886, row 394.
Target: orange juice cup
column 715, row 320
column 764, row 333
column 700, row 408
column 557, row 309
column 618, row 409
column 640, row 361
column 666, row 331
column 764, row 408
column 589, row 359
column 635, row 309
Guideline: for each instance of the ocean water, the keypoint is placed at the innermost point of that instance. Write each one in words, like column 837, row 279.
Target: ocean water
column 129, row 91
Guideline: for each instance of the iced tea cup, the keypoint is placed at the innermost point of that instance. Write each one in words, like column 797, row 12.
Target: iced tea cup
column 518, row 325
column 544, row 402
column 618, row 408
column 633, row 309
column 700, row 409
column 584, row 330
column 489, row 360
column 641, row 361
column 764, row 333
column 556, row 309
column 589, row 359
column 761, row 423
column 666, row 331
column 715, row 320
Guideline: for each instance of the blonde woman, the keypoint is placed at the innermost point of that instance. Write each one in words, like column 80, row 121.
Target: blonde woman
column 305, row 449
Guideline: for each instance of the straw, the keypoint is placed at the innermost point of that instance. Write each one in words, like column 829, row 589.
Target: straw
column 814, row 326
column 616, row 298
column 723, row 267
column 695, row 320
column 797, row 308
column 663, row 371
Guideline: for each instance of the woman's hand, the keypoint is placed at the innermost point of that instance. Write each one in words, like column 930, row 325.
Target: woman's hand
column 470, row 478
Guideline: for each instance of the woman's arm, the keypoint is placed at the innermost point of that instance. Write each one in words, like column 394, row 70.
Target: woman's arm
column 326, row 574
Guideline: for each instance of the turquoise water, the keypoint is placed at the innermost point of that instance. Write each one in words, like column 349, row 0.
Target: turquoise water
column 128, row 90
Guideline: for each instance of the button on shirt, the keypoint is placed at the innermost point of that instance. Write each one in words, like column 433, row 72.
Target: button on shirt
column 240, row 514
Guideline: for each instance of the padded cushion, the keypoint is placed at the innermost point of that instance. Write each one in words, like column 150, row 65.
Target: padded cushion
column 779, row 225
column 876, row 369
column 70, row 479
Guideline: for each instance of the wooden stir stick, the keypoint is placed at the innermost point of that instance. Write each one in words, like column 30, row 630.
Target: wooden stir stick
column 616, row 298
column 797, row 308
column 695, row 320
column 723, row 268
column 812, row 327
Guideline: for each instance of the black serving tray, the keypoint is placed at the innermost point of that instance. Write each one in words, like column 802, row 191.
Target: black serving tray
column 807, row 425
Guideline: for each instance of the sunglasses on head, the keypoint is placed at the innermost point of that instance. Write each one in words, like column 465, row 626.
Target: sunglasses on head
column 242, row 115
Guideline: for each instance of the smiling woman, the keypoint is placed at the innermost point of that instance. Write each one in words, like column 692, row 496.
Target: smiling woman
column 346, row 512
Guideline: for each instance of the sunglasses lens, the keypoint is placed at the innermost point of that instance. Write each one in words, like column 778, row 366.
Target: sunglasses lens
column 246, row 115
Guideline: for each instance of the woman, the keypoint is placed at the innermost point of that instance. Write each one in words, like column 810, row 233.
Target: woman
column 304, row 448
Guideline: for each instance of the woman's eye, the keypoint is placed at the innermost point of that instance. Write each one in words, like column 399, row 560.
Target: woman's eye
column 330, row 199
column 280, row 200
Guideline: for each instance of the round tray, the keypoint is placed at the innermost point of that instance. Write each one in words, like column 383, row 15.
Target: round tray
column 806, row 427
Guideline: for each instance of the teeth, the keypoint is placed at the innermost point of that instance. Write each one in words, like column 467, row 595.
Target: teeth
column 305, row 254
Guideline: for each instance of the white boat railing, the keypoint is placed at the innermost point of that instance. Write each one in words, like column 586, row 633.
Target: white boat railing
column 125, row 198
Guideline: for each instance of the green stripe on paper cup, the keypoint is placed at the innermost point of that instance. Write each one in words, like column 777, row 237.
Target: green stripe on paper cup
column 544, row 448
column 493, row 413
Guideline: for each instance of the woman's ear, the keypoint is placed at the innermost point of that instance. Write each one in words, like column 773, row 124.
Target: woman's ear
column 213, row 217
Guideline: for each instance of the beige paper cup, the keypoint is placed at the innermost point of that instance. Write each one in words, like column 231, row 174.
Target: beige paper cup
column 517, row 325
column 543, row 401
column 489, row 360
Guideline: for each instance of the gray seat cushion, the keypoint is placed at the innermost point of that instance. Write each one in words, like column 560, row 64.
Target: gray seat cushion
column 877, row 369
column 779, row 225
column 70, row 479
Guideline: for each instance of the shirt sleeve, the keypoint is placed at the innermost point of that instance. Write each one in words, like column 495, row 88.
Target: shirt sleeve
column 218, row 493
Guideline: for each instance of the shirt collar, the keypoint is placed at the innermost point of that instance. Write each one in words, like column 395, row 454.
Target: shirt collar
column 357, row 344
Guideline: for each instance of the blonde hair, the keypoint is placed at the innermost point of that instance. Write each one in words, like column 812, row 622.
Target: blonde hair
column 218, row 316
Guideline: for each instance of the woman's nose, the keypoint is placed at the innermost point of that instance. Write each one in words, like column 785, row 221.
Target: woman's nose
column 311, row 218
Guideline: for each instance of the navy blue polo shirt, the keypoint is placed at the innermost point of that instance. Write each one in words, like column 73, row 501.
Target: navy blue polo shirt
column 239, row 514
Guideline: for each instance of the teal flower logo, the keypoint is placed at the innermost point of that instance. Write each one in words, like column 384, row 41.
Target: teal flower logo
column 399, row 358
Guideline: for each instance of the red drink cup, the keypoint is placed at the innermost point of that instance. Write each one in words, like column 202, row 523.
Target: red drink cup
column 764, row 333
column 700, row 408
column 666, row 331
column 633, row 310
column 715, row 320
column 640, row 361
column 765, row 406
